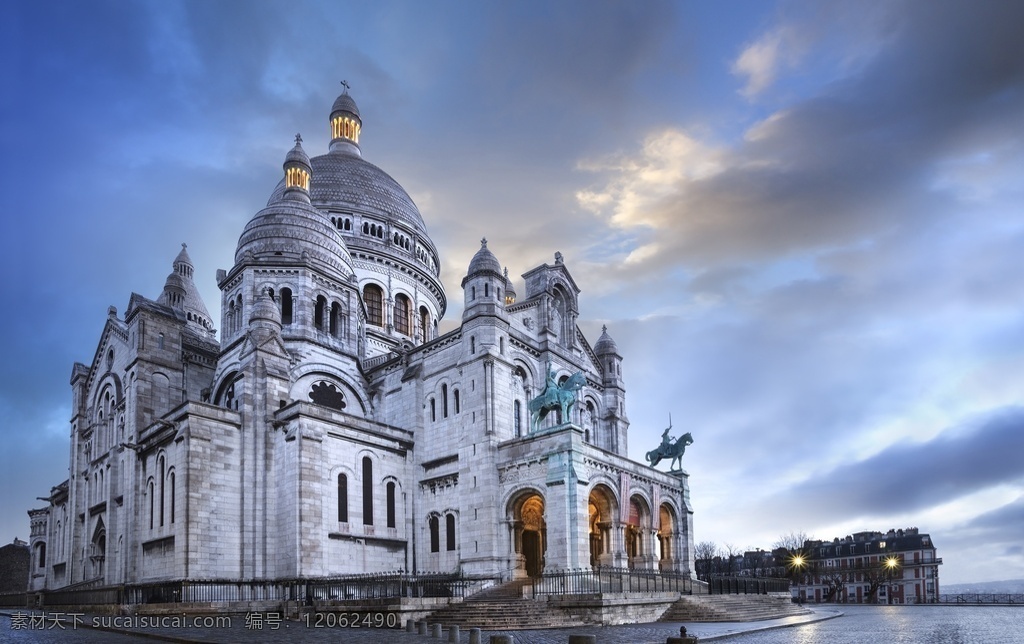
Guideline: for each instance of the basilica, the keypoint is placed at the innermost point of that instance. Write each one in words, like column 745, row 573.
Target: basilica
column 329, row 429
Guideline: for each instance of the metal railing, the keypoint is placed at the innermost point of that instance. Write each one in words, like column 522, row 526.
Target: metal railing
column 601, row 580
column 747, row 585
column 971, row 599
column 305, row 591
column 13, row 599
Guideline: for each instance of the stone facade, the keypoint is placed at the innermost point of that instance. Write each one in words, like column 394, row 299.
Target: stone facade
column 331, row 430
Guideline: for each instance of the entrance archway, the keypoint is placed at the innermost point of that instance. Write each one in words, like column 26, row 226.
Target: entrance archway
column 666, row 537
column 530, row 533
column 602, row 516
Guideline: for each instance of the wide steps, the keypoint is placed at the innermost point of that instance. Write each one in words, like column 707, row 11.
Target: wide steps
column 502, row 608
column 731, row 608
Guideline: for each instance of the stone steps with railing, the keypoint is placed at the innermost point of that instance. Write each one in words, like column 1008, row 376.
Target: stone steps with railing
column 503, row 607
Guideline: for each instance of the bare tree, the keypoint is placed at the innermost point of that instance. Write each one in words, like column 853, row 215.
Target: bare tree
column 792, row 542
column 730, row 554
column 704, row 554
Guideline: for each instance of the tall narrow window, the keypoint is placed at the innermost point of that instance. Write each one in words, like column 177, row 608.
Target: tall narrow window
column 170, row 482
column 342, row 498
column 391, row 504
column 152, row 501
column 373, row 297
column 424, row 323
column 318, row 312
column 518, row 419
column 41, row 548
column 433, row 410
column 403, row 314
column 367, row 491
column 449, row 529
column 286, row 306
column 444, row 401
column 162, row 479
column 455, row 396
column 335, row 319
column 435, row 535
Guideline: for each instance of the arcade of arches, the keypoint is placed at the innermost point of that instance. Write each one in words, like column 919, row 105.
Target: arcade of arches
column 633, row 542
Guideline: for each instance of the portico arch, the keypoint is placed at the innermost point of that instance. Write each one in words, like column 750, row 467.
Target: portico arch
column 638, row 533
column 528, row 532
column 667, row 534
column 603, row 509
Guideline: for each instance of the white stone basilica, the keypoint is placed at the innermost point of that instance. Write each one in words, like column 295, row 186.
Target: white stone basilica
column 331, row 430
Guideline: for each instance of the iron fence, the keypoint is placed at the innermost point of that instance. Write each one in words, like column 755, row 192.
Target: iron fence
column 13, row 599
column 304, row 591
column 747, row 585
column 971, row 599
column 601, row 580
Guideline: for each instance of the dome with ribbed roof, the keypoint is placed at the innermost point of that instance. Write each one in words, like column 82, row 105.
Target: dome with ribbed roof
column 292, row 229
column 344, row 103
column 484, row 261
column 605, row 344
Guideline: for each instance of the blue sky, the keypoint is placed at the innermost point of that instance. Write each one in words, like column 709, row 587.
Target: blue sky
column 801, row 221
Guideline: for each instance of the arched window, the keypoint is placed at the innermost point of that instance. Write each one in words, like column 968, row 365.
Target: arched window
column 391, row 504
column 424, row 323
column 335, row 326
column 367, row 491
column 162, row 468
column 41, row 551
column 403, row 314
column 342, row 498
column 444, row 401
column 435, row 535
column 455, row 396
column 286, row 306
column 449, row 529
column 151, row 491
column 373, row 297
column 170, row 483
column 318, row 312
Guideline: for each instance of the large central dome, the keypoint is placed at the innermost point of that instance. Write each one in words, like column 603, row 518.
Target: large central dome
column 344, row 182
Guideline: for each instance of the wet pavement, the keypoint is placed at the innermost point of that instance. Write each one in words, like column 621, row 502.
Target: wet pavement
column 25, row 626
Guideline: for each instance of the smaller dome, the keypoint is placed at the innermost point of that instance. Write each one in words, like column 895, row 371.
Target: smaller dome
column 297, row 172
column 605, row 344
column 510, row 290
column 484, row 261
column 297, row 155
column 345, row 103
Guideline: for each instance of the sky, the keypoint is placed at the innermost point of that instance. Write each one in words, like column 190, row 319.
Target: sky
column 801, row 221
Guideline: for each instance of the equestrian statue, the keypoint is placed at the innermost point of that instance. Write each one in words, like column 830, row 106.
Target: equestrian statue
column 669, row 448
column 556, row 396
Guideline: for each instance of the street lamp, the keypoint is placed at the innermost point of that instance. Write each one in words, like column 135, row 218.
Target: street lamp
column 892, row 564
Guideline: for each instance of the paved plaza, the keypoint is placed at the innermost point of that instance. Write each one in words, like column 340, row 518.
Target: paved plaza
column 17, row 626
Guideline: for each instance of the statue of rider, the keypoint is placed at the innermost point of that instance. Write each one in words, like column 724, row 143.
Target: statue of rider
column 551, row 385
column 666, row 440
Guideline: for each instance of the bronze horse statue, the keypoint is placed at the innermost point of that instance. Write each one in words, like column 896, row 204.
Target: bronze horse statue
column 673, row 450
column 561, row 397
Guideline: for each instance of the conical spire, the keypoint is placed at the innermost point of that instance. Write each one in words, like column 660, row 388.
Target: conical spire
column 180, row 293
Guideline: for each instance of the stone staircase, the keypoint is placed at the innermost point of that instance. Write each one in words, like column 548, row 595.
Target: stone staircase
column 731, row 608
column 502, row 608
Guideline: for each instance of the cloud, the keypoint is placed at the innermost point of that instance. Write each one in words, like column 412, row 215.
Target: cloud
column 762, row 61
column 907, row 477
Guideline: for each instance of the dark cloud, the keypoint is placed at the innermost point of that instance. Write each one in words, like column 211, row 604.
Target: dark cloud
column 908, row 477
